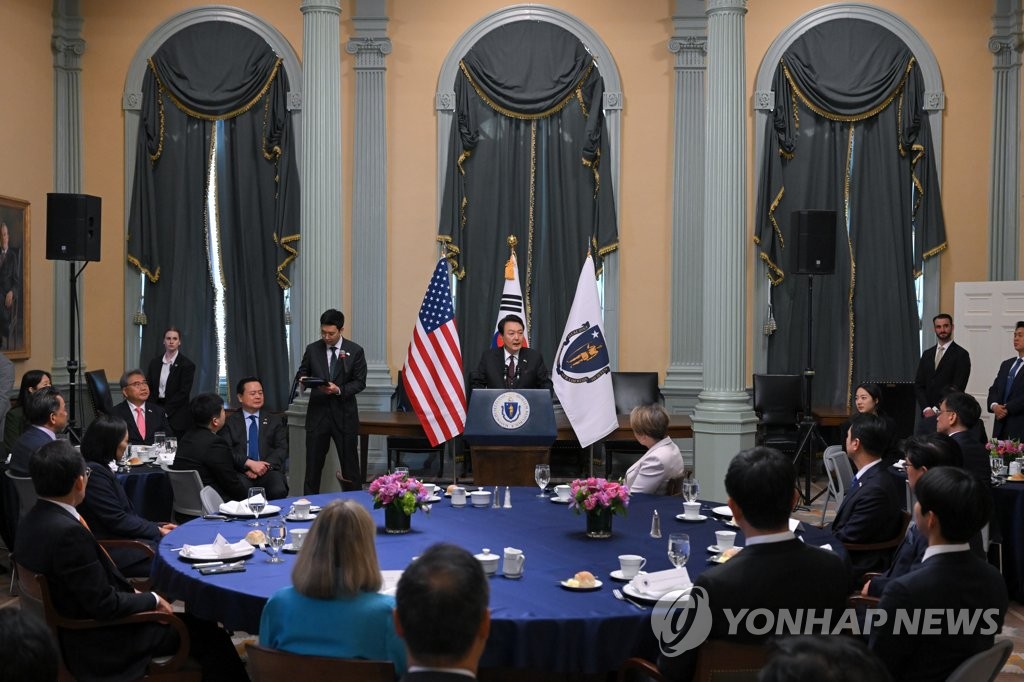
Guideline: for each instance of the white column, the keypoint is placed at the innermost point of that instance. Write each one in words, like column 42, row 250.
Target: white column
column 68, row 47
column 320, row 265
column 723, row 421
column 1004, row 194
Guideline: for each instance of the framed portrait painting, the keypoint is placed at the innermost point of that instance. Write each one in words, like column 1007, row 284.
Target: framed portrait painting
column 15, row 233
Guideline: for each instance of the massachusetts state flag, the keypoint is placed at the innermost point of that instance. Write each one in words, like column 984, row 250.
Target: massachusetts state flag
column 433, row 365
column 511, row 302
column 582, row 374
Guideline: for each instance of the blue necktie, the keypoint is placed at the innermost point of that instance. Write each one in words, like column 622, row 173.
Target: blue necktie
column 1009, row 380
column 854, row 484
column 254, row 439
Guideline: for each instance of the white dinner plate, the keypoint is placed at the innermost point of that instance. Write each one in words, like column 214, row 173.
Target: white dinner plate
column 558, row 500
column 596, row 586
column 207, row 553
column 269, row 510
column 641, row 596
column 696, row 519
column 722, row 511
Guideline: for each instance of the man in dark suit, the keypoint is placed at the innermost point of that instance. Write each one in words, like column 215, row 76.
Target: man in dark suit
column 10, row 281
column 170, row 375
column 775, row 570
column 444, row 579
column 205, row 451
column 1006, row 395
column 333, row 413
column 138, row 413
column 942, row 366
column 967, row 595
column 47, row 416
column 922, row 453
column 258, row 440
column 513, row 365
column 958, row 415
column 872, row 508
column 84, row 583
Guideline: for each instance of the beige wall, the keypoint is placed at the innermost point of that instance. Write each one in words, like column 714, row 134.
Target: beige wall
column 422, row 33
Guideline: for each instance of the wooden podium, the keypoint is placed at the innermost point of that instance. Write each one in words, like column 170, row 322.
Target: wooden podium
column 509, row 432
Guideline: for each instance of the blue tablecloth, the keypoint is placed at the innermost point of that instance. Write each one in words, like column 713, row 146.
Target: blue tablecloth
column 149, row 490
column 1009, row 516
column 535, row 623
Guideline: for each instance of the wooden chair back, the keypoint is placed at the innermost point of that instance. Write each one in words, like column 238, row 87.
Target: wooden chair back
column 720, row 660
column 271, row 665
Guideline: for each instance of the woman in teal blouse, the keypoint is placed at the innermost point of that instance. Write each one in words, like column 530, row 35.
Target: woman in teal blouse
column 334, row 606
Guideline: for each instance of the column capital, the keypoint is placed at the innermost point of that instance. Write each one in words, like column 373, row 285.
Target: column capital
column 67, row 52
column 370, row 52
column 726, row 7
column 326, row 6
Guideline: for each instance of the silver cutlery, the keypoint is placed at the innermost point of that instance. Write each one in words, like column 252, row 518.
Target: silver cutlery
column 621, row 597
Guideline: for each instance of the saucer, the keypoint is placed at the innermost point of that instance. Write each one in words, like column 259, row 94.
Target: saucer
column 596, row 586
column 715, row 549
column 432, row 499
column 558, row 500
column 722, row 511
column 617, row 575
column 301, row 519
column 696, row 519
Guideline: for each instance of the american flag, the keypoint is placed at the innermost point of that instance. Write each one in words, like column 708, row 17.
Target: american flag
column 433, row 366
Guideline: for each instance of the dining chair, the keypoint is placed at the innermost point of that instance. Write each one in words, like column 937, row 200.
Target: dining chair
column 34, row 593
column 719, row 659
column 26, row 492
column 271, row 665
column 99, row 391
column 834, row 459
column 985, row 665
column 890, row 544
column 396, row 445
column 630, row 389
column 778, row 403
column 211, row 500
column 186, row 487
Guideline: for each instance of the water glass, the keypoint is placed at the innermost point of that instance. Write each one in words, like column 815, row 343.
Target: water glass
column 402, row 470
column 691, row 488
column 256, row 506
column 276, row 536
column 678, row 549
column 542, row 474
column 159, row 440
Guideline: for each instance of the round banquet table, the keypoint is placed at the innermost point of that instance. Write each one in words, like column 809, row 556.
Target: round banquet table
column 535, row 623
column 149, row 490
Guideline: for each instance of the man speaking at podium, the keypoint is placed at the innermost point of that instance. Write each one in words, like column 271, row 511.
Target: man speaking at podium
column 513, row 366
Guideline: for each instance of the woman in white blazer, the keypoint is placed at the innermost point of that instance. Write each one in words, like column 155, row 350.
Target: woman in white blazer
column 662, row 462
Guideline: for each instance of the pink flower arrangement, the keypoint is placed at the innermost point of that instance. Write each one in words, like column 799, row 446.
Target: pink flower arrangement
column 406, row 494
column 1002, row 448
column 591, row 493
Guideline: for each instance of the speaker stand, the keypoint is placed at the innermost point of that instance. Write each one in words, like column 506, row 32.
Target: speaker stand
column 809, row 434
column 72, row 366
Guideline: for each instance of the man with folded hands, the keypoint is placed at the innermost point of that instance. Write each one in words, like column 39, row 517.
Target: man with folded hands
column 872, row 509
column 774, row 570
column 258, row 440
column 84, row 583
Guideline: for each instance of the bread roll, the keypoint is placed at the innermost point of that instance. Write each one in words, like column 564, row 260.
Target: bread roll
column 585, row 579
column 256, row 537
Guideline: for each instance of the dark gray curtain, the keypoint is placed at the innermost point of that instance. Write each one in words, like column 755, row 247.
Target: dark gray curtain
column 849, row 134
column 528, row 139
column 205, row 73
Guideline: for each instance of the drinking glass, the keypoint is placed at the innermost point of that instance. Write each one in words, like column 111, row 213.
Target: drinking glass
column 256, row 506
column 997, row 465
column 691, row 488
column 678, row 549
column 276, row 535
column 402, row 470
column 159, row 441
column 542, row 474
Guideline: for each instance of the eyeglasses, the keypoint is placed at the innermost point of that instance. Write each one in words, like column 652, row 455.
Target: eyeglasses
column 136, row 384
column 87, row 473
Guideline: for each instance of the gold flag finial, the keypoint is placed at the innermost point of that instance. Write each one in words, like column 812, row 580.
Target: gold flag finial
column 510, row 263
column 512, row 241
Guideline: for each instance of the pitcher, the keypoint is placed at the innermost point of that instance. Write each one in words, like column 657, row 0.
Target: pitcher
column 512, row 566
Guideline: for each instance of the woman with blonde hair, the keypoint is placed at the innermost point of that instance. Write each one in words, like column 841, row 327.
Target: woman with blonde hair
column 334, row 607
column 662, row 462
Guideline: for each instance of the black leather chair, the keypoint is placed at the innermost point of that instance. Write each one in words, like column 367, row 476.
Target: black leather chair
column 396, row 445
column 778, row 402
column 631, row 389
column 99, row 392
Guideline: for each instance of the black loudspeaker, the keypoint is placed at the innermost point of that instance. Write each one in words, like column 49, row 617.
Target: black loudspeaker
column 815, row 242
column 72, row 227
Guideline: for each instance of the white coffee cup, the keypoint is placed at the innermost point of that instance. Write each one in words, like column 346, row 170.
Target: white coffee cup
column 630, row 564
column 458, row 496
column 298, row 537
column 1014, row 468
column 725, row 539
column 691, row 510
column 430, row 488
column 563, row 491
column 481, row 498
column 300, row 509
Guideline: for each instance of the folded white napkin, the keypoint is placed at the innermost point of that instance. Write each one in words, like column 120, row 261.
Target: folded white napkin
column 241, row 507
column 219, row 547
column 660, row 582
column 828, row 547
